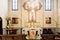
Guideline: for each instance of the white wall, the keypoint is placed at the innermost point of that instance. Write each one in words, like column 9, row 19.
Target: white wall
column 58, row 7
column 58, row 13
column 3, row 10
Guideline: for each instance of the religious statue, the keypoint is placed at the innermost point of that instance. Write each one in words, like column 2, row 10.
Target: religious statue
column 32, row 6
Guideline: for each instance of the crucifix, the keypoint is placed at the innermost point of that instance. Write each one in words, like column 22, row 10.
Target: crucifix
column 32, row 6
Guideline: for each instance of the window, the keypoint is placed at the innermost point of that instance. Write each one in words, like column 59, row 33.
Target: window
column 14, row 5
column 48, row 5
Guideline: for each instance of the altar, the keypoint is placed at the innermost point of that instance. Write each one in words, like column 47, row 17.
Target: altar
column 32, row 33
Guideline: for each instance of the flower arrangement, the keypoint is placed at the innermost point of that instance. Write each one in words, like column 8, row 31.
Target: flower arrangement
column 9, row 22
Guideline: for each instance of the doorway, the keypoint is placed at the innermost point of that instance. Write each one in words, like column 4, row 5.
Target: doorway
column 1, row 30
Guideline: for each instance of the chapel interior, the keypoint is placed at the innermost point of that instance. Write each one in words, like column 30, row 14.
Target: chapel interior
column 29, row 19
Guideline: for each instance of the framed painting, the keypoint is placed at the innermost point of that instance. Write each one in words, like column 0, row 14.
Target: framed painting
column 48, row 20
column 14, row 20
